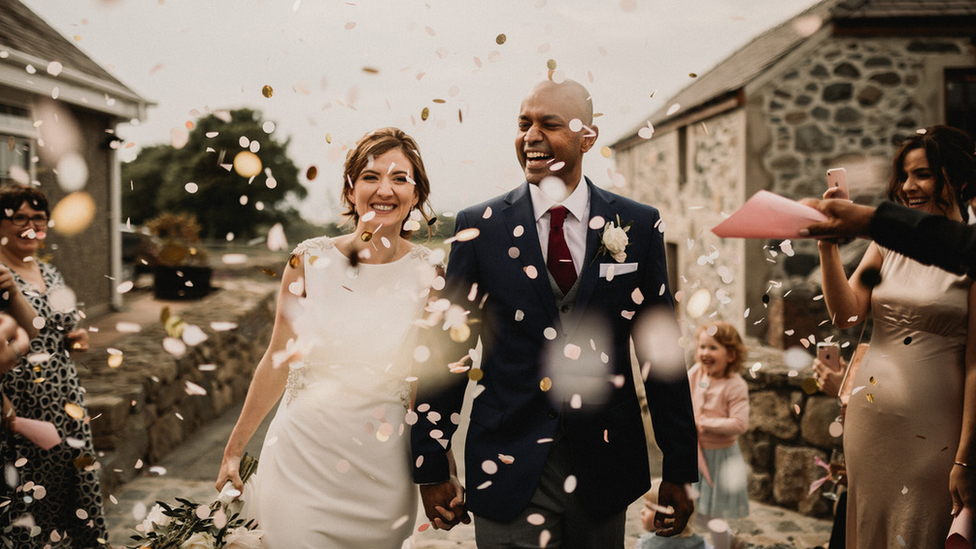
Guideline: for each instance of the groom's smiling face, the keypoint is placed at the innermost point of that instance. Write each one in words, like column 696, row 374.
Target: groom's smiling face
column 546, row 143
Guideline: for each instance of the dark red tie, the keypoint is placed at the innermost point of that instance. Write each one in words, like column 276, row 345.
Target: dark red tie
column 560, row 261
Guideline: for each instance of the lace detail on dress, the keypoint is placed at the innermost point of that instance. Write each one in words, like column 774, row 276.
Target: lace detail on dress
column 425, row 254
column 295, row 383
column 317, row 243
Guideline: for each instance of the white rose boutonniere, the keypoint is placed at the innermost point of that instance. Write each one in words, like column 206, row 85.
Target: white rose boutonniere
column 614, row 241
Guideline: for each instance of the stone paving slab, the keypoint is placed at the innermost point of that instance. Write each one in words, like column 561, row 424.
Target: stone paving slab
column 190, row 473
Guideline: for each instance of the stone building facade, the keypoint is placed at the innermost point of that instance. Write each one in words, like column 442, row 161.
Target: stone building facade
column 842, row 91
column 55, row 100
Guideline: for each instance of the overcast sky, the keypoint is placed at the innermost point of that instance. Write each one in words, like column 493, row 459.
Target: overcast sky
column 191, row 56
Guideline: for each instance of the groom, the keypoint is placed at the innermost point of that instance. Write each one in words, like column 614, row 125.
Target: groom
column 555, row 449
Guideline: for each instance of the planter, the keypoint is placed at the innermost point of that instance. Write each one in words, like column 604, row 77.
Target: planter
column 182, row 282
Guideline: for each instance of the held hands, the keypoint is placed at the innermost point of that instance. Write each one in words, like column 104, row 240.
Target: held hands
column 675, row 498
column 444, row 503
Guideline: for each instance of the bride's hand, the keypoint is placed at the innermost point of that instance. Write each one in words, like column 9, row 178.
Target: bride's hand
column 230, row 471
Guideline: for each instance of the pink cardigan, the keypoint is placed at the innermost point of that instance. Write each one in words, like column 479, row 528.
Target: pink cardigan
column 721, row 407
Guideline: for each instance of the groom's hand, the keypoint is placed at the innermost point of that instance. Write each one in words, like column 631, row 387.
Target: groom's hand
column 444, row 504
column 675, row 498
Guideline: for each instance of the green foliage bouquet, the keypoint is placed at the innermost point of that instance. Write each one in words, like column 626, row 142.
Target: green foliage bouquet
column 191, row 525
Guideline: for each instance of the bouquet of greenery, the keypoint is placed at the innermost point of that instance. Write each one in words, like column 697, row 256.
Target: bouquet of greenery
column 191, row 525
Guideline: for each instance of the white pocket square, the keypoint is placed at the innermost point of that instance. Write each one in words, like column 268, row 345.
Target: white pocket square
column 610, row 270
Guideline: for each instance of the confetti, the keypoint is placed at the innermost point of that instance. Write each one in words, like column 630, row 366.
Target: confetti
column 247, row 164
column 73, row 214
column 536, row 519
column 74, row 410
column 267, row 91
column 500, row 39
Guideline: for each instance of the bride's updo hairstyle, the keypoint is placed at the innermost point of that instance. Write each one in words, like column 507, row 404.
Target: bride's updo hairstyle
column 375, row 144
column 950, row 153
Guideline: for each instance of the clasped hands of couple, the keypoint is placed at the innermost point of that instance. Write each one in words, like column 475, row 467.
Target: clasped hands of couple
column 444, row 506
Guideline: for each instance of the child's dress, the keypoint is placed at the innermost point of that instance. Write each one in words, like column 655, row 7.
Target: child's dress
column 722, row 412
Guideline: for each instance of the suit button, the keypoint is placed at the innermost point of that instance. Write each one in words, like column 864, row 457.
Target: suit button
column 564, row 309
column 553, row 414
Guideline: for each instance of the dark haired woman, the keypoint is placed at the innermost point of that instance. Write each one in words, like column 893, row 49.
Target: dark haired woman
column 908, row 438
column 57, row 488
column 335, row 467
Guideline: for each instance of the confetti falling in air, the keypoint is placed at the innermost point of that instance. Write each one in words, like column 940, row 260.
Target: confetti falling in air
column 267, row 91
column 247, row 164
column 500, row 39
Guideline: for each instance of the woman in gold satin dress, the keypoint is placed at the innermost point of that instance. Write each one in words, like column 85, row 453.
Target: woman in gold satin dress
column 908, row 439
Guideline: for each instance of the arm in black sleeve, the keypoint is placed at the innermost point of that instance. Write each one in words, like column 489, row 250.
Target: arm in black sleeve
column 926, row 238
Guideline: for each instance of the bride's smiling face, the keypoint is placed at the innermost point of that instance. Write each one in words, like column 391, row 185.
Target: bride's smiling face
column 384, row 192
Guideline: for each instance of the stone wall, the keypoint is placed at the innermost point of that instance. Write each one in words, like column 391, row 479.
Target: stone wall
column 146, row 407
column 788, row 429
column 849, row 103
column 691, row 200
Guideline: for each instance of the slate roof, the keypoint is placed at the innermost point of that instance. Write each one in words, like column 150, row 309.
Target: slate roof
column 736, row 71
column 24, row 31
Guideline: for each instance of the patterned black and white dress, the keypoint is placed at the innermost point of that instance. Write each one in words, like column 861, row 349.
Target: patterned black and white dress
column 58, row 489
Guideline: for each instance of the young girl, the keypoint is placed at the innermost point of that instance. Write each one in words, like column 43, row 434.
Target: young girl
column 721, row 401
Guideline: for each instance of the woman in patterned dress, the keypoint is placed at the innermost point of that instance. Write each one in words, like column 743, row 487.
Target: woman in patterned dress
column 55, row 497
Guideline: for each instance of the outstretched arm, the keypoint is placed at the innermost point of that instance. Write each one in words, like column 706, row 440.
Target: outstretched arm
column 268, row 382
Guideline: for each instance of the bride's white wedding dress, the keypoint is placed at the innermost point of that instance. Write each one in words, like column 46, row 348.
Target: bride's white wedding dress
column 335, row 468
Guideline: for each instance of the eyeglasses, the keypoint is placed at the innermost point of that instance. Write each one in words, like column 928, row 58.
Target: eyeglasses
column 20, row 220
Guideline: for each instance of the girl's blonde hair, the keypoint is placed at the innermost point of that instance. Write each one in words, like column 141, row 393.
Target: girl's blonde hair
column 727, row 336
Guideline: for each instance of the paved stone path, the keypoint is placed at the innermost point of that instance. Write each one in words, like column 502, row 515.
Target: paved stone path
column 190, row 473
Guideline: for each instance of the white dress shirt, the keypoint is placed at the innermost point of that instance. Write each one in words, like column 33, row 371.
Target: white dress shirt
column 574, row 227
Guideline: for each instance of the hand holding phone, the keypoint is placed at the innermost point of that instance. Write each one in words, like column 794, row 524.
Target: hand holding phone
column 829, row 355
column 837, row 179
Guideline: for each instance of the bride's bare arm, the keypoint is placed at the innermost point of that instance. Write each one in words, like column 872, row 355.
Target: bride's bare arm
column 269, row 380
column 962, row 479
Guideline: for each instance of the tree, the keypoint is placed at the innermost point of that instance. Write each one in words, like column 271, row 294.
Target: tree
column 223, row 201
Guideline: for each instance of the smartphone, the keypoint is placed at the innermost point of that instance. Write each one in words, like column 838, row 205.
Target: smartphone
column 829, row 354
column 837, row 179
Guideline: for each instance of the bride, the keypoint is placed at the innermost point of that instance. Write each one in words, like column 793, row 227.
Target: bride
column 335, row 468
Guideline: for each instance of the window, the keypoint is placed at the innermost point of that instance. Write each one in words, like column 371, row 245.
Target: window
column 960, row 99
column 15, row 152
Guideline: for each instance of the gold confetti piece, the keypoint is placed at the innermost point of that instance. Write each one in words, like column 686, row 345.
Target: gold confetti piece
column 551, row 64
column 424, row 113
column 247, row 164
column 545, row 384
column 870, row 397
column 114, row 361
column 73, row 214
column 441, row 101
column 500, row 39
column 606, row 151
column 40, row 379
column 460, row 116
column 475, row 374
column 293, row 261
column 328, row 138
column 460, row 333
column 74, row 410
column 366, row 236
column 692, row 75
column 269, row 272
column 810, row 386
column 267, row 91
column 311, row 173
column 371, row 70
column 873, row 381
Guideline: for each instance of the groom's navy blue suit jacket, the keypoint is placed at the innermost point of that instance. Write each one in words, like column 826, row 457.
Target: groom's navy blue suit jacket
column 513, row 420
